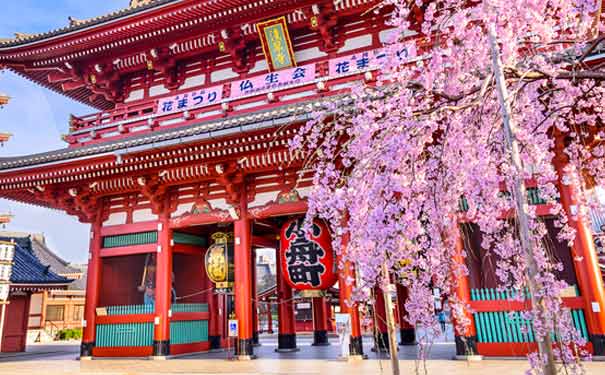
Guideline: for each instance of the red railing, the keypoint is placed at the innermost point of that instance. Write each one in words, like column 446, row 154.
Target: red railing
column 140, row 117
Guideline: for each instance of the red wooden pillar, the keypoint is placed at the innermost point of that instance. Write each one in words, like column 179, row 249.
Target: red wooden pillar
column 320, row 322
column 243, row 277
column 407, row 332
column 286, row 338
column 255, row 340
column 381, row 336
column 163, row 288
column 346, row 293
column 586, row 263
column 93, row 286
column 466, row 338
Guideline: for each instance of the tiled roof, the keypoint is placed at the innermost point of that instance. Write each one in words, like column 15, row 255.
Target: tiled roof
column 46, row 256
column 36, row 245
column 27, row 267
column 82, row 24
column 202, row 130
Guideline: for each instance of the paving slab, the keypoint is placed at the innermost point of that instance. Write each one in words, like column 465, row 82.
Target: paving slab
column 308, row 361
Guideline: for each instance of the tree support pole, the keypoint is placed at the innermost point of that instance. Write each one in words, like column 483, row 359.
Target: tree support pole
column 388, row 306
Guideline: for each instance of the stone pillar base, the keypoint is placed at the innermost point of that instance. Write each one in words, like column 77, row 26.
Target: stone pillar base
column 161, row 348
column 86, row 349
column 243, row 348
column 598, row 344
column 255, row 340
column 356, row 346
column 466, row 345
column 286, row 343
column 215, row 342
column 381, row 344
column 320, row 338
column 408, row 336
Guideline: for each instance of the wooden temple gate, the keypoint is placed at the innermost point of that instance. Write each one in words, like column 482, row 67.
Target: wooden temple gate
column 196, row 111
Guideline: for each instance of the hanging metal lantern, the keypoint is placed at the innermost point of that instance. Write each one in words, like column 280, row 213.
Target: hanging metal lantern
column 307, row 259
column 219, row 260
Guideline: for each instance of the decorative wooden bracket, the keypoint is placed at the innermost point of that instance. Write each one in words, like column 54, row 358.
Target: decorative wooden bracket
column 162, row 61
column 82, row 204
column 100, row 79
column 233, row 42
column 323, row 18
column 232, row 178
column 154, row 190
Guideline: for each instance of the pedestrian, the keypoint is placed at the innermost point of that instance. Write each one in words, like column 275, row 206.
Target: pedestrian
column 442, row 319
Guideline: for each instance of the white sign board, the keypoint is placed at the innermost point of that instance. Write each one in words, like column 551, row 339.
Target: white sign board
column 233, row 328
column 343, row 329
column 4, row 290
column 7, row 252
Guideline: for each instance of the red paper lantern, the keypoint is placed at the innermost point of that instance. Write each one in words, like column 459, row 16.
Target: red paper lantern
column 307, row 259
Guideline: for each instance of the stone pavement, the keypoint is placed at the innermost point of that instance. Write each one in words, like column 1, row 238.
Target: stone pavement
column 61, row 359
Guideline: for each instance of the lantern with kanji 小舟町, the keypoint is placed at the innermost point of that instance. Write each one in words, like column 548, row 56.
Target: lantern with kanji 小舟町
column 307, row 258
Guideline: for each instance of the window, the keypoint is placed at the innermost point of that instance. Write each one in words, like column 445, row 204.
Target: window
column 78, row 313
column 55, row 313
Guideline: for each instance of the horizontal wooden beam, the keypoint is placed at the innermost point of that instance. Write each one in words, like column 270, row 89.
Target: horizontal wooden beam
column 122, row 351
column 187, row 316
column 188, row 249
column 144, row 226
column 512, row 305
column 129, row 250
column 128, row 318
column 264, row 241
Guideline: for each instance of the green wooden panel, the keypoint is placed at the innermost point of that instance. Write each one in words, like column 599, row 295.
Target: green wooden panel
column 189, row 307
column 188, row 239
column 130, row 239
column 186, row 332
column 130, row 309
column 501, row 326
column 463, row 204
column 124, row 334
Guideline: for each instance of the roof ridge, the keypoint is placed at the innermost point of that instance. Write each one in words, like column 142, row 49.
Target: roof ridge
column 53, row 254
column 34, row 261
column 92, row 21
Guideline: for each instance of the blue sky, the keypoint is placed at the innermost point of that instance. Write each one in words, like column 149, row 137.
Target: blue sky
column 37, row 117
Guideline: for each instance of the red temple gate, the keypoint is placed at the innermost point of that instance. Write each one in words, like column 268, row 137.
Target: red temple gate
column 191, row 138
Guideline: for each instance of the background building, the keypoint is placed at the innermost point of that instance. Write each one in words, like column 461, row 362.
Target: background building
column 29, row 276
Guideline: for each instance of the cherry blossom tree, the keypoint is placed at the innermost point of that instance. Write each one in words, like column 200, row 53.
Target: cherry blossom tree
column 495, row 87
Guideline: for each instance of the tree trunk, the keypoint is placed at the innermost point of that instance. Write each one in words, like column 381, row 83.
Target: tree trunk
column 519, row 194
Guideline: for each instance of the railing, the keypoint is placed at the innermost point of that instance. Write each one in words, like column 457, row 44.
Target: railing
column 130, row 309
column 510, row 326
column 124, row 334
column 188, row 331
column 132, row 325
column 499, row 315
column 130, row 239
column 142, row 117
column 533, row 198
